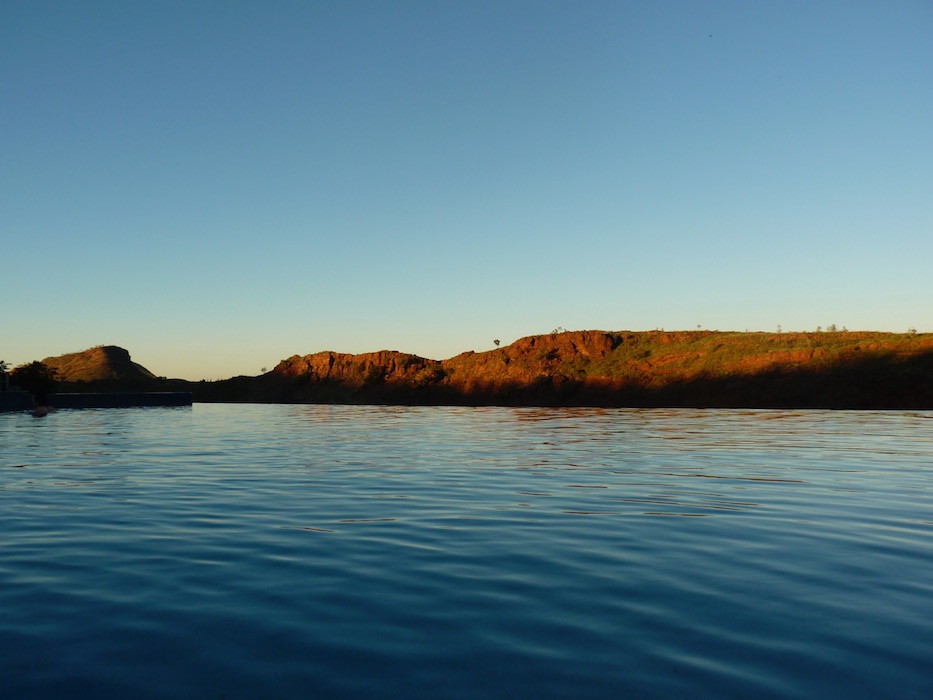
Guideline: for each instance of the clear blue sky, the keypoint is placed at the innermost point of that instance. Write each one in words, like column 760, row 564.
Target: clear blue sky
column 218, row 185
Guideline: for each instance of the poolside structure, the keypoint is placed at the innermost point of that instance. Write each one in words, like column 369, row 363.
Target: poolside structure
column 22, row 400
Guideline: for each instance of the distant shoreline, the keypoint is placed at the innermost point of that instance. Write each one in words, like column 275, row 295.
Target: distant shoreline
column 651, row 369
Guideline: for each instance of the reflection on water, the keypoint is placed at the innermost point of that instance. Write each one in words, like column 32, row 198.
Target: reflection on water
column 340, row 551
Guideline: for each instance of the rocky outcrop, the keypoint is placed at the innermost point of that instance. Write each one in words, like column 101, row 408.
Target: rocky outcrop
column 105, row 363
column 362, row 370
column 656, row 368
column 580, row 368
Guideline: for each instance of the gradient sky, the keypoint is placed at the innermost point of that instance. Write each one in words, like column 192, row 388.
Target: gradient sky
column 218, row 185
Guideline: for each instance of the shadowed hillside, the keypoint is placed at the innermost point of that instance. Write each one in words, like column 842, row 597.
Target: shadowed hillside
column 581, row 368
column 595, row 368
column 102, row 366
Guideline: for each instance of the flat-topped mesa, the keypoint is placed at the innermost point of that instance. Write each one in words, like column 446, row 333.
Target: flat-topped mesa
column 101, row 377
column 387, row 366
column 105, row 363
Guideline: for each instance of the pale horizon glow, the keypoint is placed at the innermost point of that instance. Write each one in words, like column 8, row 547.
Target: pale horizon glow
column 218, row 186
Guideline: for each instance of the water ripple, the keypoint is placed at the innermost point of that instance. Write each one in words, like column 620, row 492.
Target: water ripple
column 348, row 551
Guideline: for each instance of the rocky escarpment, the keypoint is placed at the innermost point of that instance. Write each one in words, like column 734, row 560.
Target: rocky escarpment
column 656, row 368
column 362, row 370
column 581, row 368
column 330, row 376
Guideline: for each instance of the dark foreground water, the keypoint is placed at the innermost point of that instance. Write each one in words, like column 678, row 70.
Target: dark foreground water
column 355, row 552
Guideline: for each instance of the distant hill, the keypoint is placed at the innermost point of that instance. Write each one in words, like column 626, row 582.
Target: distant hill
column 103, row 364
column 597, row 368
column 579, row 368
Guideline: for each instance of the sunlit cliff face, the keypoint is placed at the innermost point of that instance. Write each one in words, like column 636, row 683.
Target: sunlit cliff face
column 651, row 368
column 655, row 368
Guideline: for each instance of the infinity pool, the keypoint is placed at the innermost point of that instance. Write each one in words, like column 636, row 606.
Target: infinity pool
column 246, row 551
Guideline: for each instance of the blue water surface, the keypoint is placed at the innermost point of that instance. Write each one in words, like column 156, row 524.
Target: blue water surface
column 246, row 551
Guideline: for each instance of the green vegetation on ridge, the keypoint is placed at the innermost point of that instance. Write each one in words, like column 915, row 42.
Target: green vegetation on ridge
column 653, row 368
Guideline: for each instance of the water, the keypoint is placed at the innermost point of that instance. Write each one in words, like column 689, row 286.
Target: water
column 231, row 551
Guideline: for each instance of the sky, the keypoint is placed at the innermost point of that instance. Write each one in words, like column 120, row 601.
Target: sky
column 216, row 186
